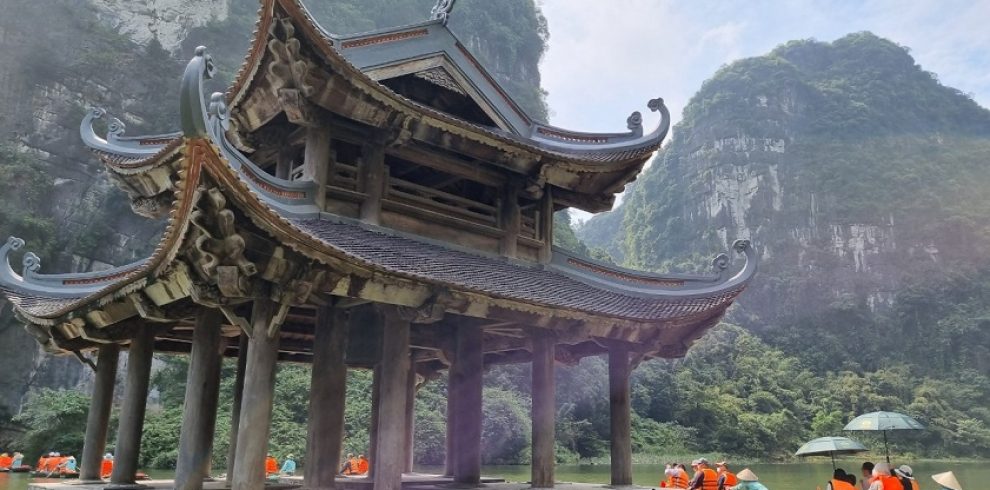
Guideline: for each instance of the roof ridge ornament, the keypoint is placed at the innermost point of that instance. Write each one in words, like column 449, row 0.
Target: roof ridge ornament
column 441, row 11
column 193, row 109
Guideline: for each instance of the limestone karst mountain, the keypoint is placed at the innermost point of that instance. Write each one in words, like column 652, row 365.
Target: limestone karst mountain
column 855, row 172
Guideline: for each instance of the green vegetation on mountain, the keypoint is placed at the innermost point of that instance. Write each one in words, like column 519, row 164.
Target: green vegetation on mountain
column 861, row 180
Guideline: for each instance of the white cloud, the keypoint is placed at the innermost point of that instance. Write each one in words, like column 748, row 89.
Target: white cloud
column 607, row 58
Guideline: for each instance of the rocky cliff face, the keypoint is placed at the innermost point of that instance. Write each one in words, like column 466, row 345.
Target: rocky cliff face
column 58, row 58
column 851, row 169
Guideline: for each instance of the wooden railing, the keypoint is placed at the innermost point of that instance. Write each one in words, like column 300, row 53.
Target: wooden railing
column 405, row 192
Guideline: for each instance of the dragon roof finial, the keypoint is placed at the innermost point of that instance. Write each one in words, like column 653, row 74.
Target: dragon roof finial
column 441, row 11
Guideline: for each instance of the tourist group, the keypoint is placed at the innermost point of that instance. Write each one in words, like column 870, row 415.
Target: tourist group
column 881, row 476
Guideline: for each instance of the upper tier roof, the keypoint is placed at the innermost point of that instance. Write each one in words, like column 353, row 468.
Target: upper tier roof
column 585, row 164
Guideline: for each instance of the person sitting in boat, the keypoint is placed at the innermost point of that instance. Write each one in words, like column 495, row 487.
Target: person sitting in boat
column 350, row 465
column 363, row 465
column 43, row 461
column 289, row 466
column 726, row 478
column 883, row 478
column 839, row 481
column 906, row 475
column 676, row 476
column 17, row 460
column 5, row 461
column 106, row 467
column 748, row 481
column 69, row 465
column 271, row 465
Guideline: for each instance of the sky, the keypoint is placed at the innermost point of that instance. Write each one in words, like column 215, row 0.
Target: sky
column 607, row 58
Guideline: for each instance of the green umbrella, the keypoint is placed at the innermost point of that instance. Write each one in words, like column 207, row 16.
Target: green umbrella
column 883, row 421
column 830, row 446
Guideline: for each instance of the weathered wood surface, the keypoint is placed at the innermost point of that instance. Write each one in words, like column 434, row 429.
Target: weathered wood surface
column 256, row 404
column 327, row 398
column 98, row 418
column 139, row 357
column 390, row 449
column 620, row 416
column 544, row 410
column 199, row 411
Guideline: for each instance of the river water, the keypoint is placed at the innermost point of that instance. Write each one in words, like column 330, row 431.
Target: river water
column 791, row 476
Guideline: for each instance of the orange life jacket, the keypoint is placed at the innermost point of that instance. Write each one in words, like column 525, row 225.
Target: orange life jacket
column 42, row 461
column 710, row 479
column 730, row 479
column 891, row 483
column 51, row 464
column 909, row 483
column 842, row 485
column 6, row 461
column 363, row 466
column 106, row 468
column 271, row 466
column 679, row 480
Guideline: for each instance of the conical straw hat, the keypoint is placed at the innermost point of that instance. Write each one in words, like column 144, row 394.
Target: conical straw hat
column 947, row 480
column 747, row 475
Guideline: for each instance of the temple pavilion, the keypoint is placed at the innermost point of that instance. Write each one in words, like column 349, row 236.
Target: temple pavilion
column 374, row 201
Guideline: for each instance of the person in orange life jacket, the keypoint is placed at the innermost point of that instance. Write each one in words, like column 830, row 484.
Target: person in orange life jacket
column 883, row 479
column 676, row 476
column 839, row 481
column 363, row 465
column 726, row 478
column 906, row 475
column 271, row 466
column 350, row 465
column 106, row 466
column 866, row 474
column 705, row 478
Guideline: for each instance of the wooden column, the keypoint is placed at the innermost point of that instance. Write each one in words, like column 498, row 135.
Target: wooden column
column 450, row 455
column 256, row 406
column 621, row 418
column 544, row 408
column 235, row 412
column 283, row 165
column 316, row 160
column 139, row 356
column 371, row 180
column 199, row 411
column 98, row 419
column 509, row 219
column 326, row 399
column 410, row 443
column 389, row 451
column 546, row 225
column 376, row 403
column 466, row 371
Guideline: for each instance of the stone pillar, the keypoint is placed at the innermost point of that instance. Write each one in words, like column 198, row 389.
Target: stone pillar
column 394, row 366
column 466, row 371
column 98, row 419
column 410, row 444
column 256, row 405
column 326, row 399
column 450, row 455
column 544, row 408
column 621, row 418
column 199, row 412
column 139, row 356
column 235, row 412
